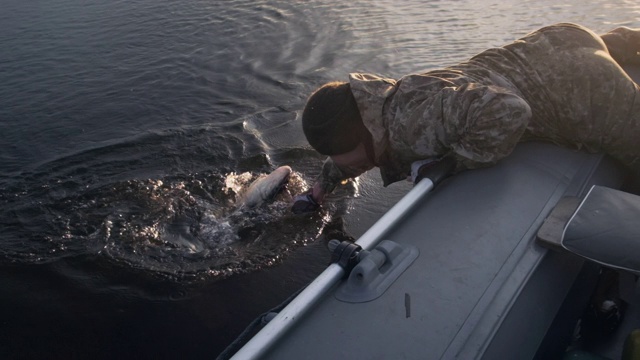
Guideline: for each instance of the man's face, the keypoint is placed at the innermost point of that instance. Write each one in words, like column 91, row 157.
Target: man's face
column 353, row 163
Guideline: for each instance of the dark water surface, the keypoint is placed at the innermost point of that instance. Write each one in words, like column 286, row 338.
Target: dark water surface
column 129, row 128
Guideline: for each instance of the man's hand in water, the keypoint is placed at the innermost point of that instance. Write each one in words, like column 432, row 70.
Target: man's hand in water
column 304, row 203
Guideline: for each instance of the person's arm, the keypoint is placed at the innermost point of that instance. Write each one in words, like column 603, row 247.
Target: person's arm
column 483, row 124
column 310, row 200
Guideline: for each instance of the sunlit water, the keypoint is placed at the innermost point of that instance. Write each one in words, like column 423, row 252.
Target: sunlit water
column 123, row 124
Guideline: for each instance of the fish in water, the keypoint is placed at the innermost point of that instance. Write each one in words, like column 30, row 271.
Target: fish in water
column 266, row 187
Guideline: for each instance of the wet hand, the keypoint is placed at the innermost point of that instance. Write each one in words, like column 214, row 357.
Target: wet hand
column 304, row 203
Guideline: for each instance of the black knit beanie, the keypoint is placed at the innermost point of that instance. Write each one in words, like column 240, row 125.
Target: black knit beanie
column 331, row 120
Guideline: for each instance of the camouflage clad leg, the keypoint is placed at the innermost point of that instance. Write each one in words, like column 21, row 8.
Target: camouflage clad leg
column 593, row 103
column 623, row 45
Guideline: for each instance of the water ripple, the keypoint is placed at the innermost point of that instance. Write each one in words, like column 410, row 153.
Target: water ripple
column 97, row 96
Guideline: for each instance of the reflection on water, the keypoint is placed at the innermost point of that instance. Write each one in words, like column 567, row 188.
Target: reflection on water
column 194, row 227
column 180, row 226
column 120, row 121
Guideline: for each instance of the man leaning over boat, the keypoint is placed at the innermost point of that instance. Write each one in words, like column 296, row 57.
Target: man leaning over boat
column 562, row 83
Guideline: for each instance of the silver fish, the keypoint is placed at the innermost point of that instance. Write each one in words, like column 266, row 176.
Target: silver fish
column 266, row 187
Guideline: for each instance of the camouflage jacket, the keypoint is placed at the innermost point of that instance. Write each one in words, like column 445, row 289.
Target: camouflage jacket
column 557, row 84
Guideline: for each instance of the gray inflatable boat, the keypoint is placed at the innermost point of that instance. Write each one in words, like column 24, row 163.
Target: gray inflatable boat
column 496, row 263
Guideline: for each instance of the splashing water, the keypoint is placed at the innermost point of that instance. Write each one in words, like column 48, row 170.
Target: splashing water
column 185, row 226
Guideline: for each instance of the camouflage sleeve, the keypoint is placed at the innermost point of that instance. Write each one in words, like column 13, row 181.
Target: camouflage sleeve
column 330, row 176
column 485, row 124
